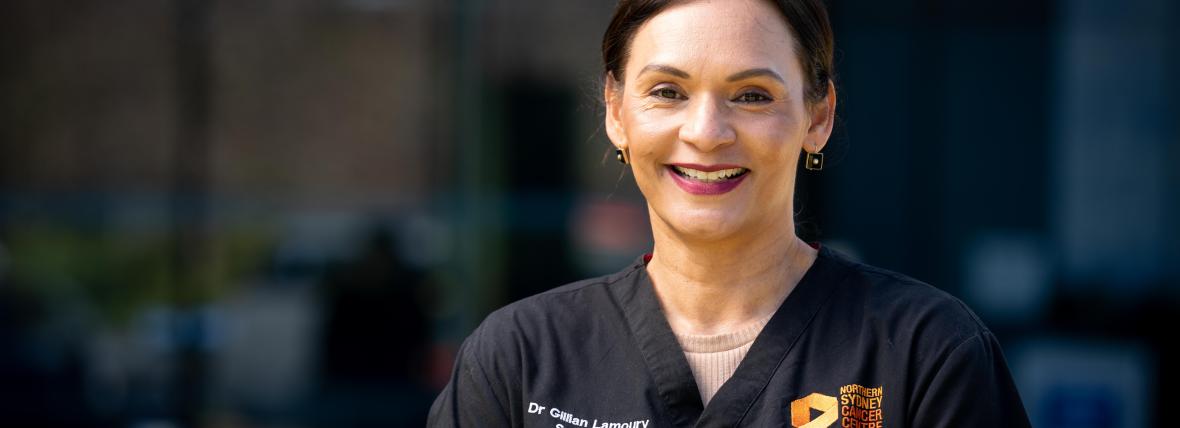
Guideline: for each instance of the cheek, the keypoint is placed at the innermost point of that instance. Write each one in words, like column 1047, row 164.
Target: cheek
column 773, row 138
column 650, row 133
column 773, row 146
column 649, row 123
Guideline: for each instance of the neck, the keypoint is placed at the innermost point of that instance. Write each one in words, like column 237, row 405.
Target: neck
column 711, row 287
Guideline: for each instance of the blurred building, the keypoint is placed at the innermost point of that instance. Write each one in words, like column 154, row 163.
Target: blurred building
column 290, row 212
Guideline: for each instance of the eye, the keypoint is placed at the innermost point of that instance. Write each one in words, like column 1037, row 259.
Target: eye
column 753, row 98
column 666, row 93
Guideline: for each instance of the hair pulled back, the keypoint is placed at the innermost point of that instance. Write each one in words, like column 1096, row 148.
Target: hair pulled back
column 807, row 20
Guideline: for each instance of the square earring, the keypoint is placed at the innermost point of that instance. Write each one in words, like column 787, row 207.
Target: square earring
column 814, row 161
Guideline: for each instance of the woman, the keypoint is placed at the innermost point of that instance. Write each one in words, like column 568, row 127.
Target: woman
column 731, row 320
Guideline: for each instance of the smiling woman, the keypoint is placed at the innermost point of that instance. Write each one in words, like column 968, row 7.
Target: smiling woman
column 731, row 320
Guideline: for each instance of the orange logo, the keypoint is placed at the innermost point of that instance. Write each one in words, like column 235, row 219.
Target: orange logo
column 801, row 411
column 859, row 407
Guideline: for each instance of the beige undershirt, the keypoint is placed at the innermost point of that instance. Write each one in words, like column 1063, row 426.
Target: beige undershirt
column 714, row 358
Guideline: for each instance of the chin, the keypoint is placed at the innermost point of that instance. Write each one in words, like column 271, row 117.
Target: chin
column 704, row 224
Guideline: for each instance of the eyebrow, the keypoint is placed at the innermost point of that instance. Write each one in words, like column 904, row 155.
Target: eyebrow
column 746, row 74
column 666, row 69
column 755, row 72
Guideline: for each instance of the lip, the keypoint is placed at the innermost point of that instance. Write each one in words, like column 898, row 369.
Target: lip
column 701, row 188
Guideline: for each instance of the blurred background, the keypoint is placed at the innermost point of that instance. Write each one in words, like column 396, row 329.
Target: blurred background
column 289, row 213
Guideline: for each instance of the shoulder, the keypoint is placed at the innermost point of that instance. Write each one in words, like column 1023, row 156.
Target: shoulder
column 528, row 335
column 565, row 303
column 951, row 362
column 553, row 314
column 909, row 311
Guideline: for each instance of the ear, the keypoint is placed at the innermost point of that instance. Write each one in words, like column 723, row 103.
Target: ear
column 823, row 119
column 612, row 95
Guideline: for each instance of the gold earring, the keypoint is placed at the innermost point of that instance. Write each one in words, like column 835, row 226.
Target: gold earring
column 814, row 161
column 620, row 156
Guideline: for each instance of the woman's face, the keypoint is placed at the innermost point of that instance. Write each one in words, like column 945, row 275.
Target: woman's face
column 711, row 112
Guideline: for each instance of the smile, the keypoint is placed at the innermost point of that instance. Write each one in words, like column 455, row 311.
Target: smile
column 707, row 176
column 707, row 180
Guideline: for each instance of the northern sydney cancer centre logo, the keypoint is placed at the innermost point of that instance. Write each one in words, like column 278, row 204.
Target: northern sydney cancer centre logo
column 858, row 407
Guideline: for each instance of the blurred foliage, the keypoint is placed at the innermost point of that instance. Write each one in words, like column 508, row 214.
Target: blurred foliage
column 119, row 274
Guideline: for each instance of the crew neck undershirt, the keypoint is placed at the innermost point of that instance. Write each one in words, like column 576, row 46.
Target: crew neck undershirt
column 714, row 358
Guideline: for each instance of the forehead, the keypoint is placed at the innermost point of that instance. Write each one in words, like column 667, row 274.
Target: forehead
column 703, row 36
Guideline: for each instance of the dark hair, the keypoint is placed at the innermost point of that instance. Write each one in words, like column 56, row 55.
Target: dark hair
column 806, row 19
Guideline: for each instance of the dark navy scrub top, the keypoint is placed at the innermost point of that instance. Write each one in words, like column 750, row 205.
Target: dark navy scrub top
column 851, row 346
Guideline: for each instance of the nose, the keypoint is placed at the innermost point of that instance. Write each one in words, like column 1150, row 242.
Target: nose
column 706, row 125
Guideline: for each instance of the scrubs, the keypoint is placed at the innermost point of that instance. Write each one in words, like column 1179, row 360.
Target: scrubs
column 851, row 346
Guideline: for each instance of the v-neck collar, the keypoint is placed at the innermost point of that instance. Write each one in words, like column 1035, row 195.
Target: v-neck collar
column 669, row 368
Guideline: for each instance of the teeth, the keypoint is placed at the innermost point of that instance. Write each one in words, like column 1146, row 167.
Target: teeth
column 710, row 176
